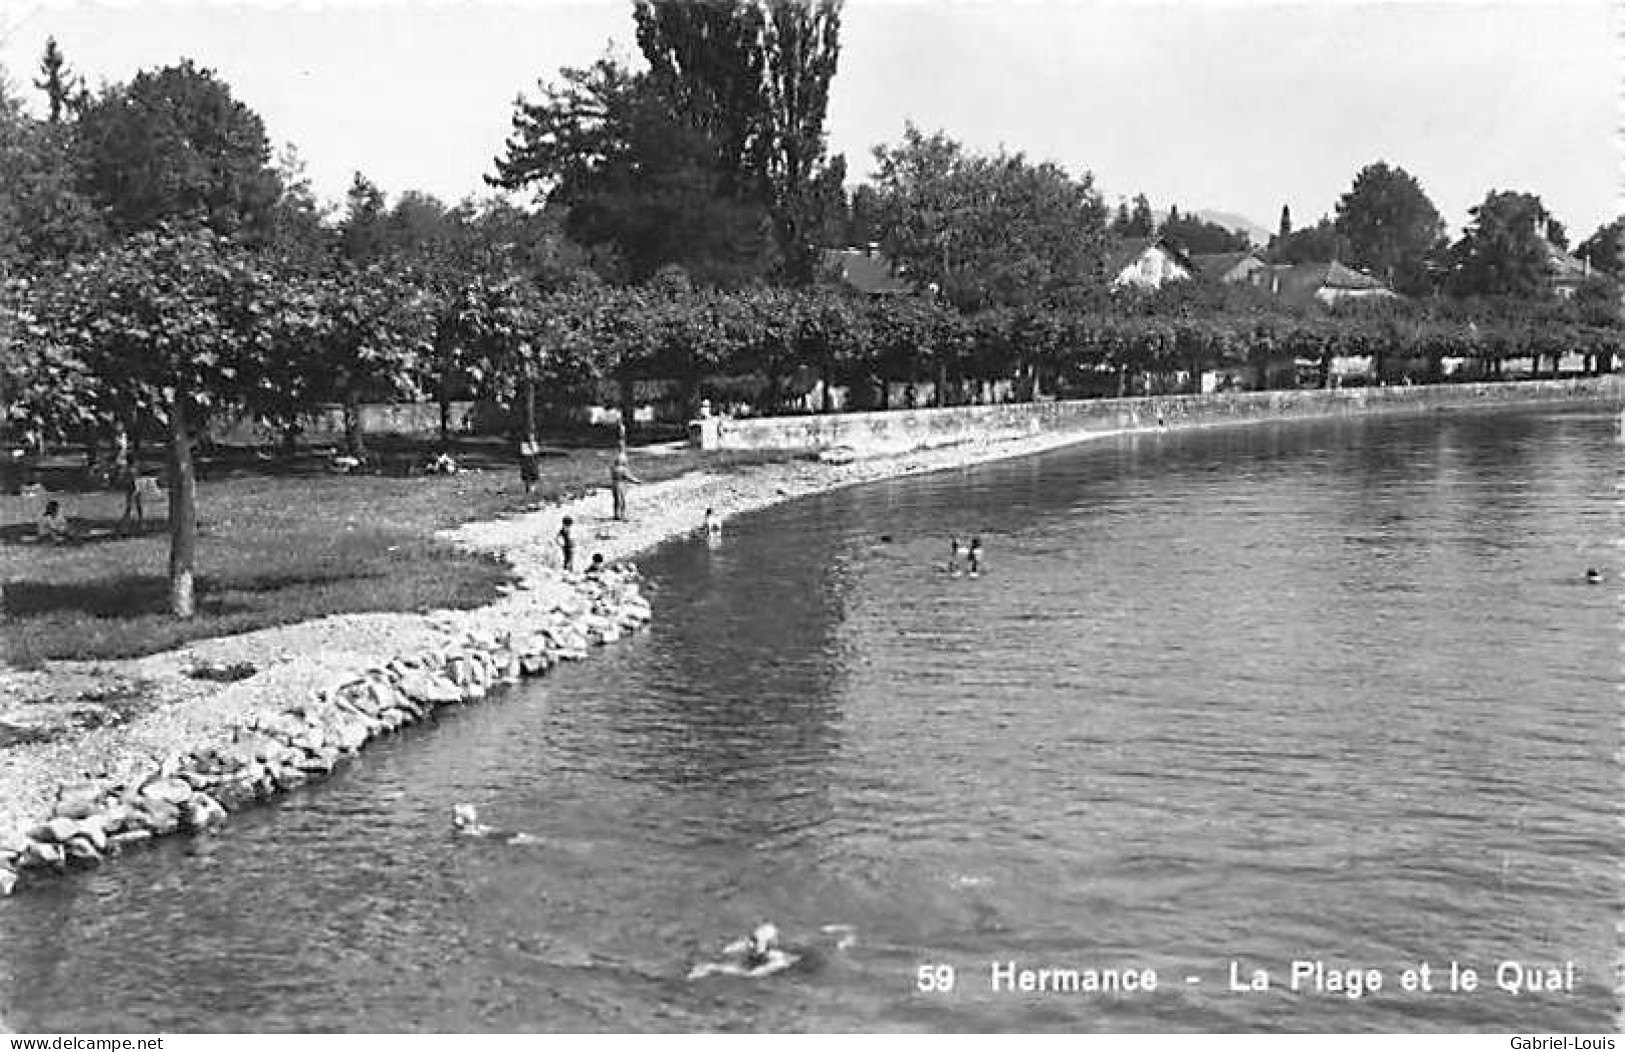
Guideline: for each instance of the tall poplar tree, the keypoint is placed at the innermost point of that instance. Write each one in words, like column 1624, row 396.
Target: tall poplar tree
column 756, row 75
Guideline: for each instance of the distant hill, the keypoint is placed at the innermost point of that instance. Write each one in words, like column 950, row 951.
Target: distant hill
column 1259, row 235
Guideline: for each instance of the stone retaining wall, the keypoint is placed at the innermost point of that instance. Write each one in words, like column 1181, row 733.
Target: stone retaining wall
column 895, row 431
column 192, row 792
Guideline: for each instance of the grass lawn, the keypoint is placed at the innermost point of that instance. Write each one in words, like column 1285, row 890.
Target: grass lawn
column 277, row 544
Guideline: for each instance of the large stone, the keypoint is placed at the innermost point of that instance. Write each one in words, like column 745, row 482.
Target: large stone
column 116, row 817
column 426, row 689
column 160, row 816
column 60, row 830
column 93, row 830
column 40, row 855
column 167, row 790
column 81, row 852
column 78, row 801
column 203, row 813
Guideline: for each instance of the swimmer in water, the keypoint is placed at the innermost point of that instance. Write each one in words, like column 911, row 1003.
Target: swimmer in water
column 465, row 820
column 752, row 957
column 1593, row 576
column 761, row 954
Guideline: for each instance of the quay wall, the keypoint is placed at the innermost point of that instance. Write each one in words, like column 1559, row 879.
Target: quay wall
column 895, row 431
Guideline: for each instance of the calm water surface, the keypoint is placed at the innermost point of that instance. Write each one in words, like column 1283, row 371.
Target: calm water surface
column 1328, row 691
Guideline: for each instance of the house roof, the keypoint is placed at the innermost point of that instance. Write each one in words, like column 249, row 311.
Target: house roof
column 1347, row 279
column 1563, row 267
column 1301, row 282
column 1216, row 265
column 867, row 271
column 1125, row 251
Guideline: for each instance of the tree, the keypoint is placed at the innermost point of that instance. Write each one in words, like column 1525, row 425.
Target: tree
column 1286, row 223
column 864, row 216
column 1199, row 236
column 1320, row 243
column 1504, row 250
column 165, row 322
column 362, row 237
column 378, row 322
column 1142, row 222
column 41, row 211
column 987, row 230
column 1391, row 227
column 755, row 75
column 1605, row 249
column 643, row 186
column 62, row 89
column 175, row 144
column 298, row 229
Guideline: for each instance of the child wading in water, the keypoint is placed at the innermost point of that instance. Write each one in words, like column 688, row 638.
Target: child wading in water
column 567, row 545
column 975, row 556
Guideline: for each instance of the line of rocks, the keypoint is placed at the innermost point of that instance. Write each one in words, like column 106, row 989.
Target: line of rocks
column 192, row 792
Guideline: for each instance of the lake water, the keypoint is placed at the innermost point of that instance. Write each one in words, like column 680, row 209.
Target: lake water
column 1330, row 691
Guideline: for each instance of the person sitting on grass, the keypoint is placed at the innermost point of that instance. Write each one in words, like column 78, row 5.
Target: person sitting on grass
column 53, row 523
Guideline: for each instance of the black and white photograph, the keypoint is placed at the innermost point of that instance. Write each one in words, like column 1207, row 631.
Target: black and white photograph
column 687, row 517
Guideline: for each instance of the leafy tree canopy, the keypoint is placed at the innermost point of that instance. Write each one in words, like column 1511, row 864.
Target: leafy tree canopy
column 755, row 76
column 1391, row 227
column 174, row 143
column 1506, row 249
column 1606, row 248
column 641, row 186
column 987, row 230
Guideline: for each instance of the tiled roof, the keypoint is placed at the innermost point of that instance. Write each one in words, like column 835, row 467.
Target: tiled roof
column 1347, row 279
column 1216, row 265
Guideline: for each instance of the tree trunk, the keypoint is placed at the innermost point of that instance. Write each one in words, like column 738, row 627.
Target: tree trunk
column 885, row 393
column 829, row 395
column 354, row 443
column 939, row 397
column 530, row 408
column 290, row 440
column 445, row 415
column 182, row 512
column 1122, row 381
column 628, row 406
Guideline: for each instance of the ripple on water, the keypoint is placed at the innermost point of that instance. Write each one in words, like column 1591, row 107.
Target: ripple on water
column 1324, row 691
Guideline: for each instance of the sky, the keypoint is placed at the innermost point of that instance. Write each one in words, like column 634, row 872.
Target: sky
column 1239, row 106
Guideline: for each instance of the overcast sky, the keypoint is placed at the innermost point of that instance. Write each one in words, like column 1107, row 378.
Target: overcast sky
column 1238, row 106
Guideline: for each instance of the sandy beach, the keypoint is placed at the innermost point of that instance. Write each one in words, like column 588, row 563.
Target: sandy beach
column 81, row 701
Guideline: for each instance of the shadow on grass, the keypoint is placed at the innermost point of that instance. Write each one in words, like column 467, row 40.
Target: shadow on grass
column 83, row 532
column 137, row 595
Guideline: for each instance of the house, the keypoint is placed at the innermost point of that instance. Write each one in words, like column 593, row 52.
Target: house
column 1564, row 273
column 1144, row 263
column 1229, row 268
column 1327, row 283
column 866, row 270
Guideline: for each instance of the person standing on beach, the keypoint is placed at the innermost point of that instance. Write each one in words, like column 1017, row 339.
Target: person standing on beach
column 619, row 476
column 529, row 453
column 567, row 545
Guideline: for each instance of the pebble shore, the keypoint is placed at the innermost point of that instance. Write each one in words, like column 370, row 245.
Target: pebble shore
column 322, row 690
